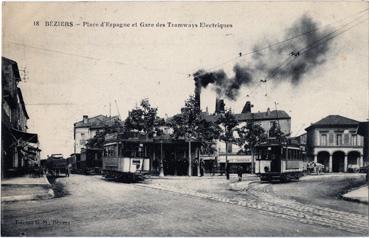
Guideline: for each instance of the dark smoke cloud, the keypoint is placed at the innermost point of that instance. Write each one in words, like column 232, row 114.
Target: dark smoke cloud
column 224, row 86
column 312, row 49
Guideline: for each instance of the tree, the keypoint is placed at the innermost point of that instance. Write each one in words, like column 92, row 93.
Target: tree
column 98, row 140
column 186, row 125
column 229, row 128
column 249, row 135
column 190, row 124
column 144, row 119
column 275, row 130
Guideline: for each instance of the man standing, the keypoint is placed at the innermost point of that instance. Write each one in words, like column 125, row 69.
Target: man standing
column 239, row 173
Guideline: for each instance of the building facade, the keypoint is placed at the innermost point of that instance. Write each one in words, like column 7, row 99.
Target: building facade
column 333, row 141
column 237, row 156
column 19, row 148
column 87, row 128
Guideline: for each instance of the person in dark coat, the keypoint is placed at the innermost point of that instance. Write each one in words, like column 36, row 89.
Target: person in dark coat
column 239, row 172
column 202, row 167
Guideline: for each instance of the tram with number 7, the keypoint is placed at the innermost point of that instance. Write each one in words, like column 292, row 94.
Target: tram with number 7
column 124, row 159
column 280, row 159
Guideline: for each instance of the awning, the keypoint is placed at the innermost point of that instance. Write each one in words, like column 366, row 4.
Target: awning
column 235, row 158
column 206, row 157
column 28, row 137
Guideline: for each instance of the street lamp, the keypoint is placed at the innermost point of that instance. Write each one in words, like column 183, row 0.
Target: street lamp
column 161, row 159
column 189, row 156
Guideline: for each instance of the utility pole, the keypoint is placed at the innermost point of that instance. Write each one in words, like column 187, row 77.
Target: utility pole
column 116, row 104
column 161, row 160
column 226, row 162
column 276, row 111
column 252, row 146
column 199, row 164
column 189, row 158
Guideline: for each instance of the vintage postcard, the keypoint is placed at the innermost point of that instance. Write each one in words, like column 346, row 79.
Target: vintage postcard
column 234, row 118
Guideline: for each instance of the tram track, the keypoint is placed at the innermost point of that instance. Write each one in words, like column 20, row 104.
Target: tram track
column 261, row 197
column 308, row 212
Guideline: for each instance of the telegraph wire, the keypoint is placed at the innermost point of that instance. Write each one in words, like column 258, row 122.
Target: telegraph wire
column 87, row 57
column 306, row 49
column 360, row 14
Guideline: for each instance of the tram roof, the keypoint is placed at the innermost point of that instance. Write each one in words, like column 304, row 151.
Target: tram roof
column 278, row 142
column 165, row 139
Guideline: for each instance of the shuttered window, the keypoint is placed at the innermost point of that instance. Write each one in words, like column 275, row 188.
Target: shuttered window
column 346, row 139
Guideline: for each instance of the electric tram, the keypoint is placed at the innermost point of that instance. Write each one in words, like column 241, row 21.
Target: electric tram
column 279, row 159
column 124, row 160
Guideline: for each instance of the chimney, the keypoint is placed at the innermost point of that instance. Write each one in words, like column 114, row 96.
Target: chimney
column 197, row 98
column 268, row 111
column 247, row 107
column 219, row 105
column 85, row 119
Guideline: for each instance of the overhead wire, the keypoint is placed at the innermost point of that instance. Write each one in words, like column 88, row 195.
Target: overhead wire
column 87, row 57
column 327, row 37
column 360, row 13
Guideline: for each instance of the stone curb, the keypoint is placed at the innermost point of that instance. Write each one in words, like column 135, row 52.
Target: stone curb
column 182, row 178
column 353, row 199
column 43, row 196
column 245, row 185
column 40, row 196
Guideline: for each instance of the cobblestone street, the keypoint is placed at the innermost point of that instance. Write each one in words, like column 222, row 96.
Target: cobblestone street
column 261, row 196
column 175, row 206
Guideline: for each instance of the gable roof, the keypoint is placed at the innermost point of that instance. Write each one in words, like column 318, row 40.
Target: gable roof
column 334, row 120
column 97, row 121
column 261, row 116
column 14, row 65
column 242, row 117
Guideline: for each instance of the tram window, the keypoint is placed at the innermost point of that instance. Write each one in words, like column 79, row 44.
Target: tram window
column 110, row 151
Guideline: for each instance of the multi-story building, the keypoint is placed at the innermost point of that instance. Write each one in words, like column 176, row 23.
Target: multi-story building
column 333, row 142
column 88, row 127
column 86, row 156
column 18, row 147
column 235, row 153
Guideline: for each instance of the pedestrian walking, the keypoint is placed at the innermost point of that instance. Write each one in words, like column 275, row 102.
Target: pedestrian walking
column 239, row 173
column 69, row 168
column 202, row 167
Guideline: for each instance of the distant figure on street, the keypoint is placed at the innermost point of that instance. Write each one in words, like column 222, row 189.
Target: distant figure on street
column 202, row 167
column 239, row 173
column 69, row 168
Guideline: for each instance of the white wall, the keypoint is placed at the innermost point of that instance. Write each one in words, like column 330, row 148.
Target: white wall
column 80, row 139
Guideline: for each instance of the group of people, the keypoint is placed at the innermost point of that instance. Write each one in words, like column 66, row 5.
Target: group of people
column 314, row 167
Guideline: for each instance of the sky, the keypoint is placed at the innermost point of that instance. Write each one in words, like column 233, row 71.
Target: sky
column 80, row 70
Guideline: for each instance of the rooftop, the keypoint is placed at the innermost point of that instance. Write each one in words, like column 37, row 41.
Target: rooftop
column 97, row 121
column 257, row 116
column 334, row 120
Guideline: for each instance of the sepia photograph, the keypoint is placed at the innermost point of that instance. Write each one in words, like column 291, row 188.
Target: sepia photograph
column 185, row 119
